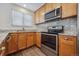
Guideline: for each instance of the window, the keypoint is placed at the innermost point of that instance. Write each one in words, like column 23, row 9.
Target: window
column 28, row 20
column 20, row 19
column 17, row 18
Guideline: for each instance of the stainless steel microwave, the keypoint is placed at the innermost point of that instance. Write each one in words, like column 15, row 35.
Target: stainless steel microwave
column 54, row 14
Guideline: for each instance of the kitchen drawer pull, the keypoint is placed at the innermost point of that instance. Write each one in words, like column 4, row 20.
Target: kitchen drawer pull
column 65, row 38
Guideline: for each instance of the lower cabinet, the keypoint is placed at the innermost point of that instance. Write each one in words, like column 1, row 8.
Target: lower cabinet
column 22, row 38
column 38, row 39
column 3, row 48
column 30, row 39
column 67, row 50
column 12, row 43
column 67, row 45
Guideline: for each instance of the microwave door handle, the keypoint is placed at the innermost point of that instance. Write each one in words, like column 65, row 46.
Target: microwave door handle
column 55, row 12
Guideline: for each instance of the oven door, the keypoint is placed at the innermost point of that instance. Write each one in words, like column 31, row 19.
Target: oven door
column 51, row 41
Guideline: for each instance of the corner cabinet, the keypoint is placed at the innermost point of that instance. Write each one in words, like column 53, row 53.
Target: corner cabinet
column 69, row 9
column 38, row 39
column 67, row 45
column 12, row 43
column 41, row 14
column 36, row 17
column 17, row 41
column 30, row 39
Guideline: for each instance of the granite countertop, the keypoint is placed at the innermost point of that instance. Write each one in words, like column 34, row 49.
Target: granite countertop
column 68, row 34
column 3, row 34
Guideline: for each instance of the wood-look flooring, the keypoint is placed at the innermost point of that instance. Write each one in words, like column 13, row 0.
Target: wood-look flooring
column 33, row 51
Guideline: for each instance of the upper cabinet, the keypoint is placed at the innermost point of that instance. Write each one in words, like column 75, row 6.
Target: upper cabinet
column 69, row 9
column 52, row 6
column 36, row 17
column 41, row 14
column 48, row 7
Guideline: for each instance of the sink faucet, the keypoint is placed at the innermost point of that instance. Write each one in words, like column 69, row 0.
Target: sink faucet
column 23, row 28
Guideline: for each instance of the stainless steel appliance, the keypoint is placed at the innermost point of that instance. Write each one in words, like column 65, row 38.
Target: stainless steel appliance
column 78, row 32
column 50, row 38
column 54, row 14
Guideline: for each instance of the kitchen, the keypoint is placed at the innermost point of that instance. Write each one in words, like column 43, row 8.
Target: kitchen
column 38, row 29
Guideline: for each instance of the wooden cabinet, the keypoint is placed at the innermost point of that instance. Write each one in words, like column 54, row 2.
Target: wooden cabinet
column 52, row 6
column 36, row 17
column 48, row 7
column 41, row 14
column 30, row 39
column 22, row 38
column 38, row 39
column 3, row 48
column 56, row 5
column 67, row 45
column 69, row 9
column 12, row 43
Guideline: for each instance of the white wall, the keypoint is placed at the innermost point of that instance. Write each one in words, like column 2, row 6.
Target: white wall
column 6, row 16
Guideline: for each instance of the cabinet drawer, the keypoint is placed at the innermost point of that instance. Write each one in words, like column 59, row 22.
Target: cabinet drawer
column 67, row 50
column 69, row 40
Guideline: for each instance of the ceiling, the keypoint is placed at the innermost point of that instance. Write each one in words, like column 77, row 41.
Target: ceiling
column 31, row 6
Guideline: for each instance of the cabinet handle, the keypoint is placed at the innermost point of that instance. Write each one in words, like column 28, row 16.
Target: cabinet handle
column 8, row 39
column 65, row 38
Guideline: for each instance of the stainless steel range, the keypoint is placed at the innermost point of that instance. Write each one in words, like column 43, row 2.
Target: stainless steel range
column 50, row 39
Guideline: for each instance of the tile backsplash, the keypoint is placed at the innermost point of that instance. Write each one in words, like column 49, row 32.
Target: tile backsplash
column 70, row 25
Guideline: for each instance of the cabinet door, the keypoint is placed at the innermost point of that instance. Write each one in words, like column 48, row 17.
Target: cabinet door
column 41, row 15
column 22, row 40
column 48, row 7
column 52, row 6
column 69, row 9
column 30, row 40
column 56, row 5
column 38, row 39
column 12, row 43
column 36, row 16
column 66, row 50
column 67, row 45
